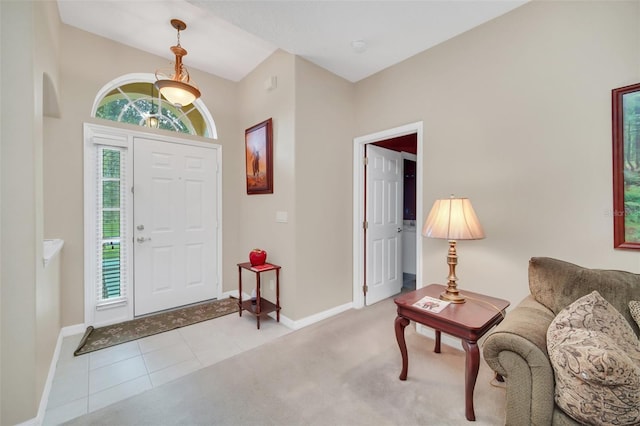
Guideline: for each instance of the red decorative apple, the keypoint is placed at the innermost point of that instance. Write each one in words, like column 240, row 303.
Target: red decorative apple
column 257, row 257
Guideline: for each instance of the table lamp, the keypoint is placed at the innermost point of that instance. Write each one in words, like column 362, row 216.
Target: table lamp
column 452, row 219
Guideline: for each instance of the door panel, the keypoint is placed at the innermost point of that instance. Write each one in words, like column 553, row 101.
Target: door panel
column 384, row 217
column 175, row 225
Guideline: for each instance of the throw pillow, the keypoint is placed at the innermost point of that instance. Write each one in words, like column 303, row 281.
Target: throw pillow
column 634, row 308
column 596, row 359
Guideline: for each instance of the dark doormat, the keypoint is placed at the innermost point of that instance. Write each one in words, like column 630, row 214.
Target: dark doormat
column 111, row 335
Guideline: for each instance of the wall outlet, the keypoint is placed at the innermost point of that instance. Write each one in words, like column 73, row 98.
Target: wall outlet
column 272, row 285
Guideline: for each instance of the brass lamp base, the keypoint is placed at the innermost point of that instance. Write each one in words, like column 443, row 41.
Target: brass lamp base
column 451, row 294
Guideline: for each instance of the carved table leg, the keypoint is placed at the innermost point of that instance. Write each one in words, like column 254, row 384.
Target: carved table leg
column 436, row 348
column 400, row 325
column 471, row 374
column 239, row 290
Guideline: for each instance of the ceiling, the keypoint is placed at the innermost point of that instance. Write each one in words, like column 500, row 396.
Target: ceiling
column 353, row 39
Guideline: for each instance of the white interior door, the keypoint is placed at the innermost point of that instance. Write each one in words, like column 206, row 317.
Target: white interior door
column 384, row 219
column 175, row 225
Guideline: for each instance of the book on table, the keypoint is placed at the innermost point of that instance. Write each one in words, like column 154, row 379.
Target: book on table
column 431, row 304
column 262, row 267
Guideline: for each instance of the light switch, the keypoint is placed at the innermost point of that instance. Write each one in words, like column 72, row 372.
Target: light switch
column 282, row 217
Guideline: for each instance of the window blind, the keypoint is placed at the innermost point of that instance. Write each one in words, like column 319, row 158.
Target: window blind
column 111, row 220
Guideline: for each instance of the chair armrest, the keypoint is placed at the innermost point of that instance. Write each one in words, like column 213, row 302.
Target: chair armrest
column 517, row 350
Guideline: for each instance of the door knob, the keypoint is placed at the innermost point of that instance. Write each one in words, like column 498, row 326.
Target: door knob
column 142, row 239
column 399, row 229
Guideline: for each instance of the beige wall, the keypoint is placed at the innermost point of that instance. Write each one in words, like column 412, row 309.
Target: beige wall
column 257, row 227
column 312, row 112
column 18, row 216
column 517, row 117
column 323, row 161
column 26, row 311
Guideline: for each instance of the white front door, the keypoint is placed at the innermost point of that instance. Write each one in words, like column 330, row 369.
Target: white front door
column 175, row 225
column 384, row 219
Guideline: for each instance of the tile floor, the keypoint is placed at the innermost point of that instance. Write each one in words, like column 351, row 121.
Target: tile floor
column 89, row 382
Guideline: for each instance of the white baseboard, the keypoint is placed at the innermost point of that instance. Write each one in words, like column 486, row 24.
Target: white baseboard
column 301, row 323
column 44, row 399
column 30, row 422
column 312, row 319
column 73, row 329
column 234, row 294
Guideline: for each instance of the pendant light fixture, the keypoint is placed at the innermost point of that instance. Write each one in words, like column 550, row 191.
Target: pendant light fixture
column 177, row 87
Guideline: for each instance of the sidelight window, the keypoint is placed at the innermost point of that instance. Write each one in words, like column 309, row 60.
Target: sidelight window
column 111, row 230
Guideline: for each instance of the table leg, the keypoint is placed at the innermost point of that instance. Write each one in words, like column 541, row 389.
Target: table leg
column 240, row 290
column 278, row 295
column 436, row 348
column 471, row 374
column 258, row 299
column 400, row 325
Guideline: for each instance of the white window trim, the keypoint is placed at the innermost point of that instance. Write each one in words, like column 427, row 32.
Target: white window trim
column 121, row 308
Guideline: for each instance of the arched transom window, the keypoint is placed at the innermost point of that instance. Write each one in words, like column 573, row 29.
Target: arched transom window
column 134, row 99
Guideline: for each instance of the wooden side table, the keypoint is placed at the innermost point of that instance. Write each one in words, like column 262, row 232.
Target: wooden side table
column 468, row 321
column 262, row 306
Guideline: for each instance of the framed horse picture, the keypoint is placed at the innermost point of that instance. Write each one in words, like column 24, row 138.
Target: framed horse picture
column 258, row 141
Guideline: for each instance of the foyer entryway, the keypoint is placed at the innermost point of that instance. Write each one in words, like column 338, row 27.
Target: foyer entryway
column 152, row 223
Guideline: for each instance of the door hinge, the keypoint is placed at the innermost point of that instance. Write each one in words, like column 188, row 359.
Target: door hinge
column 132, row 189
column 365, row 289
column 365, row 225
column 365, row 161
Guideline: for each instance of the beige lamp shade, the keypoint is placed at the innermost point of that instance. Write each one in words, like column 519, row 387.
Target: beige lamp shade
column 453, row 219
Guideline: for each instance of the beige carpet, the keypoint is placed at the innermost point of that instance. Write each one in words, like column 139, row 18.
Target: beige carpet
column 341, row 371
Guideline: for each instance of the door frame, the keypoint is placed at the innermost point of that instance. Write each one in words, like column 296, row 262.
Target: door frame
column 359, row 193
column 96, row 134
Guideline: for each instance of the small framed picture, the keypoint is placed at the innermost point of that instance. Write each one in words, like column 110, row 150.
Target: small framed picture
column 626, row 166
column 258, row 142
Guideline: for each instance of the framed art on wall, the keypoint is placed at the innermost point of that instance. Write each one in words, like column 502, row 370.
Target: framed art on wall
column 626, row 166
column 258, row 142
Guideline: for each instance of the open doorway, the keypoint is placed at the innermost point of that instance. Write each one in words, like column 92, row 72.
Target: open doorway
column 407, row 139
column 407, row 148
